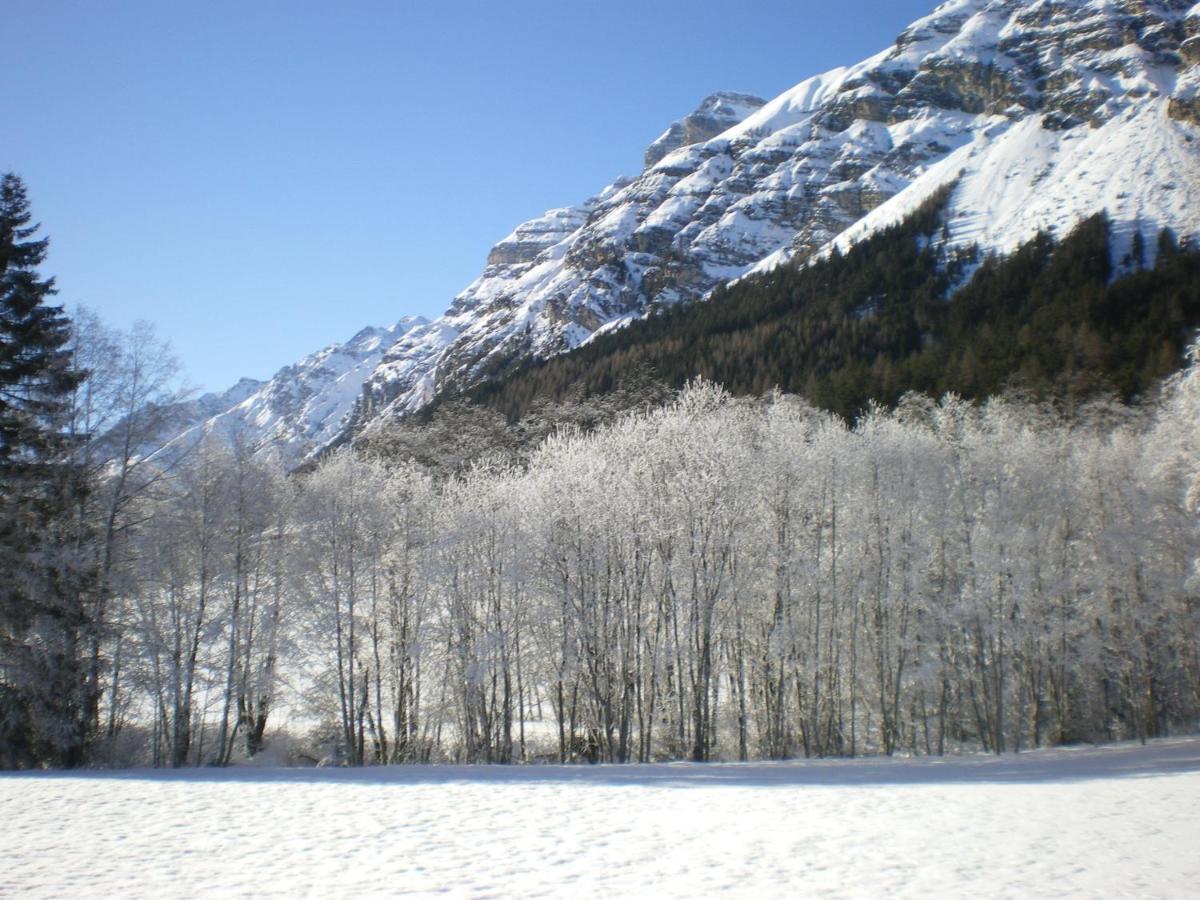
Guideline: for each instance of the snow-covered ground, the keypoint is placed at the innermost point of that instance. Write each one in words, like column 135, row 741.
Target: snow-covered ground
column 1114, row 821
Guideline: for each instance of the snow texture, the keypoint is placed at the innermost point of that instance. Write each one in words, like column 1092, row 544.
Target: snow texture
column 1113, row 821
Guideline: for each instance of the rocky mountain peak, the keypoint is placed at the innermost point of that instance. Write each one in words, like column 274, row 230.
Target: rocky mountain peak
column 715, row 114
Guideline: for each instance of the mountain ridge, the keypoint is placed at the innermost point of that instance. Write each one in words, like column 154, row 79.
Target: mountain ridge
column 1044, row 113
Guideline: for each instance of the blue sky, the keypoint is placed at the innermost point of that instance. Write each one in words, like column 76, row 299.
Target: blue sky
column 263, row 178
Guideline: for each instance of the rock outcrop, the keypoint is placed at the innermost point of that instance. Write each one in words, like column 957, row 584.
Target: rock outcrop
column 717, row 113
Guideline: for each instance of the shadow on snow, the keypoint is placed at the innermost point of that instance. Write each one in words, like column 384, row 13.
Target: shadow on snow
column 1064, row 764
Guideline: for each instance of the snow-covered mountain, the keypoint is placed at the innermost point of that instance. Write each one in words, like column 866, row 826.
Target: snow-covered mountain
column 1045, row 112
column 303, row 407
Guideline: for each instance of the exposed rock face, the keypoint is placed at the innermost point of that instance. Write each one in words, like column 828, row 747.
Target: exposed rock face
column 1046, row 111
column 1185, row 104
column 718, row 112
column 1185, row 109
column 1189, row 50
column 530, row 238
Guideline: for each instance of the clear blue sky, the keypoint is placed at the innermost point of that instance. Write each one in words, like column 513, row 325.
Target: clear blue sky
column 261, row 178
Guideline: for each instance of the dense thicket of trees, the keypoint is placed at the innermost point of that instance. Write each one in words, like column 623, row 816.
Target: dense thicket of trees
column 717, row 578
column 894, row 314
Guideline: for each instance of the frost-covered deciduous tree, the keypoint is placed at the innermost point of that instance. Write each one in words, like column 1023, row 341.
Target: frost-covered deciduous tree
column 347, row 525
column 118, row 413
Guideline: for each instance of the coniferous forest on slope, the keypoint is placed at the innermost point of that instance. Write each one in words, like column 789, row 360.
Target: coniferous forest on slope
column 1055, row 319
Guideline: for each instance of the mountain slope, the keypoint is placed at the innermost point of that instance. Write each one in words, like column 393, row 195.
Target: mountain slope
column 304, row 406
column 1042, row 113
column 874, row 323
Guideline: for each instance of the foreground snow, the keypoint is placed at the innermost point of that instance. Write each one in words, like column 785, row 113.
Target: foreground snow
column 1116, row 821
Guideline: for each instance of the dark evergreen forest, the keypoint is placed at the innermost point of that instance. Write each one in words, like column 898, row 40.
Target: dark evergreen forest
column 896, row 313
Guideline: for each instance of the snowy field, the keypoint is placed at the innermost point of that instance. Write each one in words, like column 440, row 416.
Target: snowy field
column 1112, row 822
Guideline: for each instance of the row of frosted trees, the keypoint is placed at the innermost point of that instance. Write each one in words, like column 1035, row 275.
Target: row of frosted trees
column 714, row 579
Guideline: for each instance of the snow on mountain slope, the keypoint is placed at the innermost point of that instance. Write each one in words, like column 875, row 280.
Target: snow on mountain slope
column 305, row 406
column 1029, row 179
column 193, row 412
column 1046, row 112
column 1050, row 111
column 174, row 419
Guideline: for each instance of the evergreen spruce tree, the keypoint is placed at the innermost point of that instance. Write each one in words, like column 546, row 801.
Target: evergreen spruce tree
column 40, row 601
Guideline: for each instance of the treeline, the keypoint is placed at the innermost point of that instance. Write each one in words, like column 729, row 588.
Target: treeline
column 895, row 314
column 714, row 579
